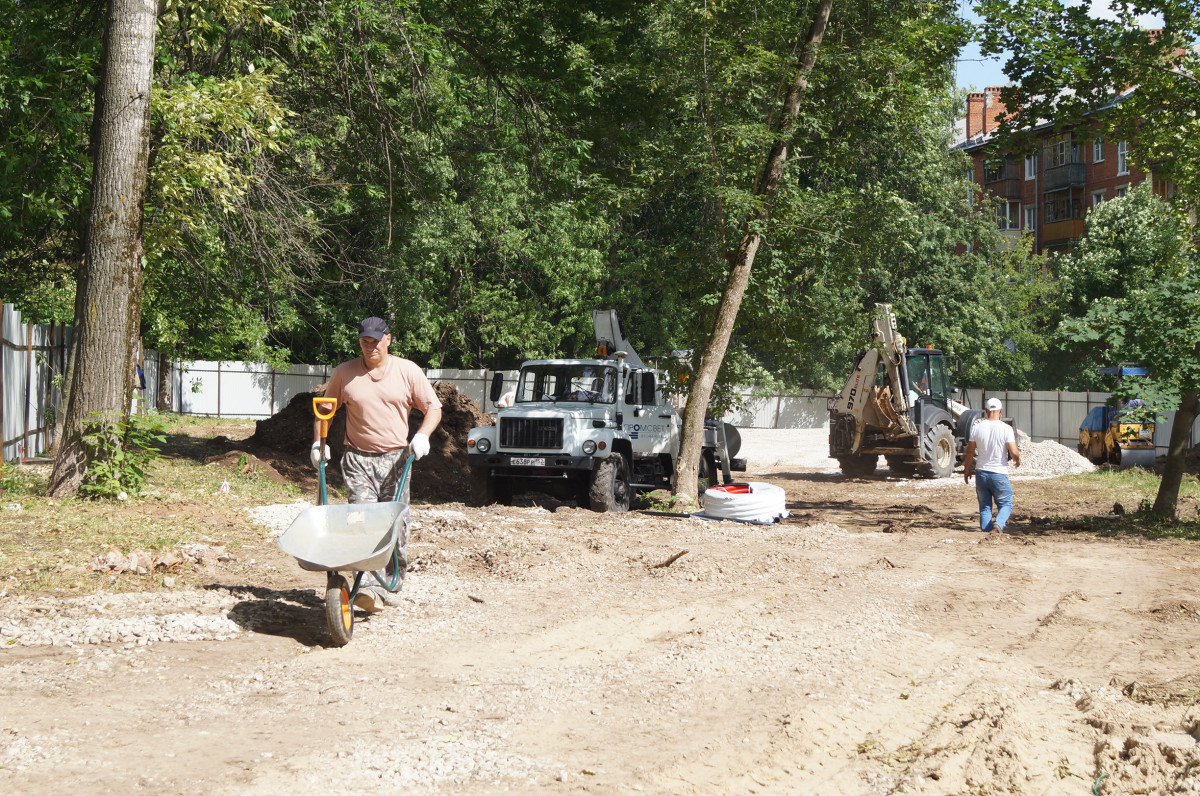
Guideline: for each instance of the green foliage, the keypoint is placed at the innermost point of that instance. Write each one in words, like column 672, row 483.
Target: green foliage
column 485, row 173
column 48, row 60
column 1127, row 294
column 119, row 452
column 17, row 481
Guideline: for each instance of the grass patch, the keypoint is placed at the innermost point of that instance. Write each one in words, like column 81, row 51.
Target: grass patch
column 46, row 544
column 1133, row 492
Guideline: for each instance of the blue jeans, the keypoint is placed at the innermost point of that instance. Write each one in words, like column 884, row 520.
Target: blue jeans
column 989, row 487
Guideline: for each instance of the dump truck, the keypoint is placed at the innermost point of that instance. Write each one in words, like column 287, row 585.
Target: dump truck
column 1118, row 434
column 596, row 430
column 898, row 402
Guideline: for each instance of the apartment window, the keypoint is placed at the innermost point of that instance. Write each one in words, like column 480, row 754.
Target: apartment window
column 1030, row 218
column 1122, row 191
column 1031, row 167
column 1062, row 208
column 1008, row 215
column 1098, row 150
column 1059, row 150
column 994, row 170
column 1097, row 198
column 1122, row 157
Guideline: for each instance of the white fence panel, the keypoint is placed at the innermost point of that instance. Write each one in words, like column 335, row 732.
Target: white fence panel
column 30, row 356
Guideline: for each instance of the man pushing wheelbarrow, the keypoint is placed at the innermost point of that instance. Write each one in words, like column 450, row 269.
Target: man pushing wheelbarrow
column 377, row 390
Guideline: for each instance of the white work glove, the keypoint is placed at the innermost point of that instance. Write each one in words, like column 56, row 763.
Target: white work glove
column 419, row 446
column 314, row 454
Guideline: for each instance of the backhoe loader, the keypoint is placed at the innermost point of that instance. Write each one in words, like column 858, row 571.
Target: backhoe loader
column 898, row 402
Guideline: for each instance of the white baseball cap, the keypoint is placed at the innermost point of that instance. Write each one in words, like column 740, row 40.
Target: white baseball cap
column 994, row 405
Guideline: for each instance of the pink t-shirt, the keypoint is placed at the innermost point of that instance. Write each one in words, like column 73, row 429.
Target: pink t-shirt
column 377, row 407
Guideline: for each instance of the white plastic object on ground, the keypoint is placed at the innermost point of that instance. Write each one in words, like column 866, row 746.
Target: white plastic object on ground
column 752, row 502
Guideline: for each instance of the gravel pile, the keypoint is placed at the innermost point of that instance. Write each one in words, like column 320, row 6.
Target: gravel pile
column 129, row 619
column 1049, row 458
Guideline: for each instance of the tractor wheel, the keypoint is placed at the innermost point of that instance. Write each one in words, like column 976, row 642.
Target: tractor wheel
column 901, row 466
column 610, row 489
column 938, row 451
column 966, row 422
column 858, row 466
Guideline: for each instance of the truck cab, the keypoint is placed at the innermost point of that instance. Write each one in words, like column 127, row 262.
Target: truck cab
column 595, row 430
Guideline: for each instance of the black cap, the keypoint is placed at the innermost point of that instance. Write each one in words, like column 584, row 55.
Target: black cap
column 373, row 327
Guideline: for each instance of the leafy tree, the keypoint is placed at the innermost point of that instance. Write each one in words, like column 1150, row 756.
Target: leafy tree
column 1131, row 291
column 108, row 298
column 1130, row 243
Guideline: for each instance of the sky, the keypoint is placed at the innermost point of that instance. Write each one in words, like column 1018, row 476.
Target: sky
column 973, row 70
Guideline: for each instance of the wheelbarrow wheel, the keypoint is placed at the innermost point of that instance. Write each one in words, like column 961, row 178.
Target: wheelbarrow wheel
column 338, row 610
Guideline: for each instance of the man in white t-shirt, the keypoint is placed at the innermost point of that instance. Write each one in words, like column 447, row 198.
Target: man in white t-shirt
column 993, row 444
column 377, row 390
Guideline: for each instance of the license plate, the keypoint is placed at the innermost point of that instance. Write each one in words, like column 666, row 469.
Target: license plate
column 518, row 461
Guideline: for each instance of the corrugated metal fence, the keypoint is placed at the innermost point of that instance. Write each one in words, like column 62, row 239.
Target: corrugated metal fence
column 31, row 355
column 1042, row 414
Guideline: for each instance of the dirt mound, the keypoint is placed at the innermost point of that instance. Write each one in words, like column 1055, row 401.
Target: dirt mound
column 246, row 464
column 1191, row 458
column 440, row 476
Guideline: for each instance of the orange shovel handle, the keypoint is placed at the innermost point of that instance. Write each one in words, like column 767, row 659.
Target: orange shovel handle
column 324, row 409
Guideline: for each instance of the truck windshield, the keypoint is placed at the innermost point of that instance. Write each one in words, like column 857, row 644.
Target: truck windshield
column 562, row 382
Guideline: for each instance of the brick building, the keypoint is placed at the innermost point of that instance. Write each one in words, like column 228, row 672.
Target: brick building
column 1047, row 194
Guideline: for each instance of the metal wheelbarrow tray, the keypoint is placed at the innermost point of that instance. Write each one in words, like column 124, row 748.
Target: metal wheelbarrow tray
column 347, row 536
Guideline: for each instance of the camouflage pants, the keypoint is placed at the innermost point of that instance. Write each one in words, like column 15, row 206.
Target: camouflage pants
column 372, row 478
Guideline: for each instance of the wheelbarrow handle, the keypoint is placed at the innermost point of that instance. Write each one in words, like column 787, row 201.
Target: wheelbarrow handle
column 403, row 478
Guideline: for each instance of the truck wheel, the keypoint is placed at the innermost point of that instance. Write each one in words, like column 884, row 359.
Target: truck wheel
column 487, row 489
column 858, row 466
column 706, row 475
column 610, row 490
column 938, row 451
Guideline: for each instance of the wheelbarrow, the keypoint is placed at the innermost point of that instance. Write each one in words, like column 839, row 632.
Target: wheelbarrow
column 346, row 541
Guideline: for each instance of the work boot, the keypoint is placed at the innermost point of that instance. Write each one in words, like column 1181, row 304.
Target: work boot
column 370, row 599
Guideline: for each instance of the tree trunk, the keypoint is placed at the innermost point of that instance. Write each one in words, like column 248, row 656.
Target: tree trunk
column 741, row 261
column 108, row 303
column 163, row 403
column 1173, row 468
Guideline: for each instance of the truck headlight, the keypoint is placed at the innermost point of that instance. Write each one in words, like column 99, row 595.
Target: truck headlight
column 483, row 445
column 589, row 447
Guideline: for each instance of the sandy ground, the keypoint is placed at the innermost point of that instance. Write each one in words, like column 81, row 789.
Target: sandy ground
column 872, row 643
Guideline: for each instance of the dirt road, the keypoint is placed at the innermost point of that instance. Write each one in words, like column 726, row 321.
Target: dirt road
column 872, row 643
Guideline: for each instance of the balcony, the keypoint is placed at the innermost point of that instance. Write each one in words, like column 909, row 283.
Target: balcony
column 1064, row 176
column 1006, row 189
column 1060, row 232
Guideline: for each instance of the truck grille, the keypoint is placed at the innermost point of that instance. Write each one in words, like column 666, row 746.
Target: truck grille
column 545, row 433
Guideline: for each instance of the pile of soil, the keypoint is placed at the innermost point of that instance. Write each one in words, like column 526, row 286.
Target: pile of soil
column 441, row 476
